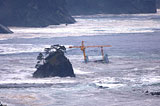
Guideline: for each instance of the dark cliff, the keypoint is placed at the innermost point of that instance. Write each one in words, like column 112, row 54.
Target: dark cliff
column 158, row 3
column 34, row 13
column 77, row 7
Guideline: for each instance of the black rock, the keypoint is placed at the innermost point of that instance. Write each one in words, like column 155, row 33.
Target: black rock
column 4, row 30
column 102, row 87
column 155, row 93
column 152, row 93
column 78, row 7
column 56, row 64
column 34, row 13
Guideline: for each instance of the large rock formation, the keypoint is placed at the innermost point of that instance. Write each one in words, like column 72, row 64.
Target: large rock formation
column 4, row 30
column 77, row 7
column 55, row 64
column 34, row 13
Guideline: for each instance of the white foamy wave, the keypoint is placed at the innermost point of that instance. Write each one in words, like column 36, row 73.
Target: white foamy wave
column 149, row 80
column 77, row 71
column 152, row 68
column 107, row 24
column 22, row 48
column 54, row 80
column 108, row 82
column 105, row 85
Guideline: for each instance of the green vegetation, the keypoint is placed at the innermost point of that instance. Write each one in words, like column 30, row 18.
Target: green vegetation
column 44, row 57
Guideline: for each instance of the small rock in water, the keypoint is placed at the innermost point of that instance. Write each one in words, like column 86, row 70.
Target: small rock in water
column 155, row 93
column 152, row 93
column 102, row 87
column 53, row 63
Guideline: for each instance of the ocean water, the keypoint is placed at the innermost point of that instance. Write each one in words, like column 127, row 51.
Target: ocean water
column 134, row 66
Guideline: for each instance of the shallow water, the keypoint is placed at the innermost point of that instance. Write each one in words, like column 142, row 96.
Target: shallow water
column 133, row 69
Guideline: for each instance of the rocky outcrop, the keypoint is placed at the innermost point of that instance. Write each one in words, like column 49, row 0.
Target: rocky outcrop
column 4, row 30
column 77, row 7
column 34, row 13
column 55, row 64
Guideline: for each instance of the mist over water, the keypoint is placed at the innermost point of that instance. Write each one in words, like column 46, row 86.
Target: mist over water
column 133, row 69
